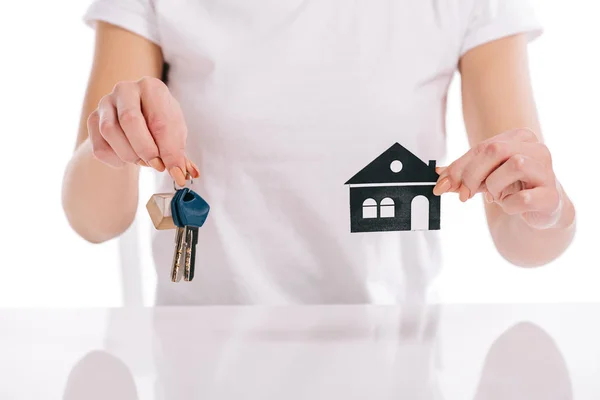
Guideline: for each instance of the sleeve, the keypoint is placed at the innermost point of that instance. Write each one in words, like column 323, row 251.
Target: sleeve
column 137, row 16
column 489, row 20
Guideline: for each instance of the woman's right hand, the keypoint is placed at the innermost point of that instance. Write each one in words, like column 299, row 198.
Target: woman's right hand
column 141, row 123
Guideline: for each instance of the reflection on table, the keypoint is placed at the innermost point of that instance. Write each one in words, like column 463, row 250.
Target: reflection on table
column 318, row 352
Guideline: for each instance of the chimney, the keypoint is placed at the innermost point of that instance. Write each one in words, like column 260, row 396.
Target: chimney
column 432, row 164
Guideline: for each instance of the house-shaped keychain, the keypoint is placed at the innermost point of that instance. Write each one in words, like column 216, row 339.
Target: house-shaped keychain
column 394, row 193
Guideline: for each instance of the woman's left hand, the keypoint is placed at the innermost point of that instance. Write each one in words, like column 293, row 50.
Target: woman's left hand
column 513, row 170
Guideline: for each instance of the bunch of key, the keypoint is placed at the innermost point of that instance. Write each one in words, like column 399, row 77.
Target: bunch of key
column 184, row 211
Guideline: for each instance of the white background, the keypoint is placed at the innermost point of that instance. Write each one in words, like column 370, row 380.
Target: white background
column 45, row 58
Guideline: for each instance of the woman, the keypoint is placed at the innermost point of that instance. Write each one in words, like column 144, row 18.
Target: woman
column 273, row 106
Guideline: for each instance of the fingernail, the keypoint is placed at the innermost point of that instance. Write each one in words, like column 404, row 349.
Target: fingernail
column 177, row 174
column 142, row 163
column 465, row 193
column 196, row 170
column 191, row 170
column 488, row 197
column 157, row 164
column 442, row 186
column 185, row 172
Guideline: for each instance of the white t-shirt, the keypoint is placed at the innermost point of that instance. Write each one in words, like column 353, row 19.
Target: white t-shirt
column 288, row 100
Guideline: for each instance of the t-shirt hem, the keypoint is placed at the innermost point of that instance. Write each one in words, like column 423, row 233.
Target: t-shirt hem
column 532, row 32
column 123, row 18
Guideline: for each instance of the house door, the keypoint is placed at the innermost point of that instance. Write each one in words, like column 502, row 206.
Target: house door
column 419, row 214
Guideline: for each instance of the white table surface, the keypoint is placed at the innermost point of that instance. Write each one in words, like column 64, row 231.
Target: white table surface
column 460, row 352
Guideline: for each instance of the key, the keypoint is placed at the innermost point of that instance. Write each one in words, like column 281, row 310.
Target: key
column 160, row 209
column 193, row 241
column 180, row 240
column 179, row 255
column 188, row 253
column 190, row 210
column 185, row 211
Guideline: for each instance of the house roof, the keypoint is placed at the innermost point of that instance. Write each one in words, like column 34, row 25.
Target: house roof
column 379, row 170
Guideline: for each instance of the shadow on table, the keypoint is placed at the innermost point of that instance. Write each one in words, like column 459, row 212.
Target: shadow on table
column 100, row 376
column 524, row 363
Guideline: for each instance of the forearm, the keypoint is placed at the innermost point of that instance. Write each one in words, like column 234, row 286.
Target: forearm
column 100, row 202
column 525, row 246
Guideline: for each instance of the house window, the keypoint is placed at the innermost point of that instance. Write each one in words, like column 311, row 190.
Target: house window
column 387, row 208
column 369, row 209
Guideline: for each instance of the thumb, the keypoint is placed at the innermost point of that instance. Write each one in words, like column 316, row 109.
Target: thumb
column 167, row 126
column 171, row 144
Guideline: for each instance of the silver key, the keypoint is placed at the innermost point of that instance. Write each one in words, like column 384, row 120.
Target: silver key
column 187, row 273
column 178, row 256
column 192, row 242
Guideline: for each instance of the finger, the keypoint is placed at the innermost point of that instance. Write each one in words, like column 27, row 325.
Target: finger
column 192, row 169
column 517, row 168
column 196, row 169
column 133, row 124
column 455, row 170
column 166, row 125
column 491, row 156
column 512, row 189
column 443, row 184
column 100, row 148
column 441, row 171
column 487, row 157
column 541, row 199
column 111, row 131
column 507, row 191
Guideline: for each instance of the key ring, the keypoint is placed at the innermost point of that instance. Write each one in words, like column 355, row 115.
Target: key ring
column 188, row 177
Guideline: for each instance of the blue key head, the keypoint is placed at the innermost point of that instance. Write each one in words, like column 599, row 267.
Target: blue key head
column 189, row 208
column 175, row 208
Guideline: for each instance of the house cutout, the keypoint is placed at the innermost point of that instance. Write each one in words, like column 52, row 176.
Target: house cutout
column 394, row 193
